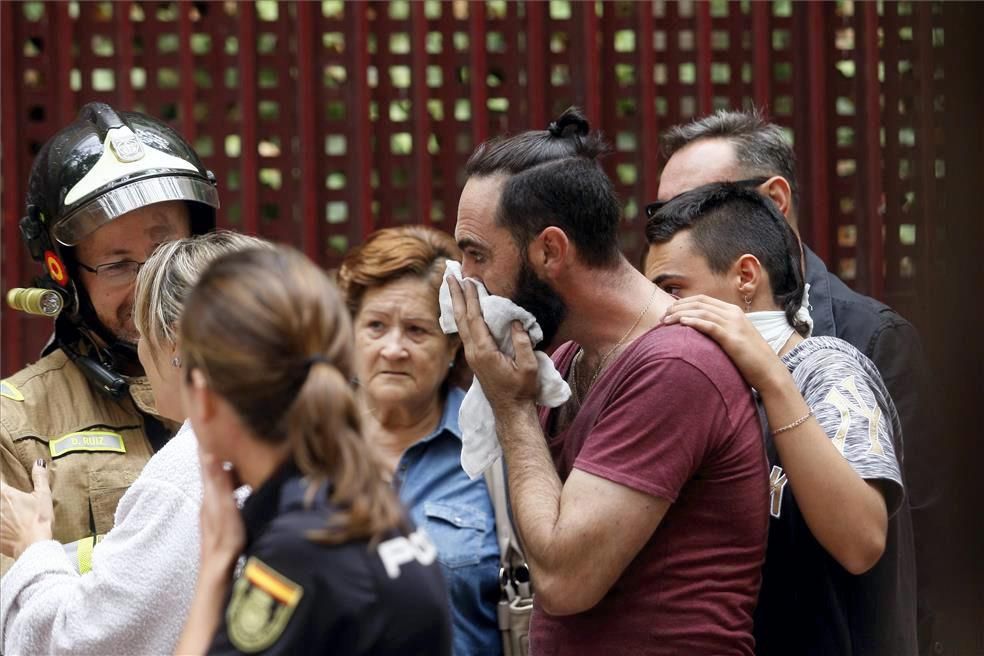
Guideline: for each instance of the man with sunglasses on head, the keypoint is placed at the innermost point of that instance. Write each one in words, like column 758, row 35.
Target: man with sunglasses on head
column 742, row 147
column 103, row 193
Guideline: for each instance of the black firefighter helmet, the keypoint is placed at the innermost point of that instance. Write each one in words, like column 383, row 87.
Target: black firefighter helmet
column 95, row 170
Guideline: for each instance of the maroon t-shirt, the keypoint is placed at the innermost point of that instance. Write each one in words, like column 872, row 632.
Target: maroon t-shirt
column 673, row 418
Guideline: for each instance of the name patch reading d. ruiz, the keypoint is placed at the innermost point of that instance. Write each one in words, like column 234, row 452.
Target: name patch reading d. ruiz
column 90, row 440
column 262, row 603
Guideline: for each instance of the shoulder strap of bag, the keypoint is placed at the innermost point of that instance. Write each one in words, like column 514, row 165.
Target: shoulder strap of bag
column 514, row 569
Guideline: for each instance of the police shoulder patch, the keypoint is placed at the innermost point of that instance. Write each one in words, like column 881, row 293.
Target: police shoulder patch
column 263, row 601
column 8, row 391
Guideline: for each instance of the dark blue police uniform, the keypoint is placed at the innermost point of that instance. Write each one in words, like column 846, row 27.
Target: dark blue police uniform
column 292, row 595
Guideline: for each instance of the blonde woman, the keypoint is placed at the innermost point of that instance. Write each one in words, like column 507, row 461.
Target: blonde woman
column 328, row 562
column 135, row 596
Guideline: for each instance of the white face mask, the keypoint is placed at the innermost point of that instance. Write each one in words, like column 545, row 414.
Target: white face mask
column 775, row 329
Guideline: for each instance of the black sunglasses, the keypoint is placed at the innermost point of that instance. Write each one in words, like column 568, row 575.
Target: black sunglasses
column 656, row 206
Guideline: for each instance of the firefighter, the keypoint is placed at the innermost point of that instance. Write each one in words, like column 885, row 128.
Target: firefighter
column 104, row 192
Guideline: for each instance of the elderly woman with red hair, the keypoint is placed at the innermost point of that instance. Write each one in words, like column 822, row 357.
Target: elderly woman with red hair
column 406, row 367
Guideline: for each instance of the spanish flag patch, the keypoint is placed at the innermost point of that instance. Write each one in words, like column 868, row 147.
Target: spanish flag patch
column 56, row 268
column 262, row 603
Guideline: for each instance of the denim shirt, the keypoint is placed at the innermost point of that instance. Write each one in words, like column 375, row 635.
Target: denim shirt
column 457, row 514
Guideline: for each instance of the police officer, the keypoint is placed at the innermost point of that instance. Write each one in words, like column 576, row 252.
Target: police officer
column 328, row 563
column 104, row 192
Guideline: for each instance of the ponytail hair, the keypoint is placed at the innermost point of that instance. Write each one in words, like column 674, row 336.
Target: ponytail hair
column 271, row 335
column 570, row 125
column 789, row 295
column 568, row 135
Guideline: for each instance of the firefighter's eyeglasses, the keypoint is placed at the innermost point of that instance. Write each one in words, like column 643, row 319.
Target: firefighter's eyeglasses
column 118, row 273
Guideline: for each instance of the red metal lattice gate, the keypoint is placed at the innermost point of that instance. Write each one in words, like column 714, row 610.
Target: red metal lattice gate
column 326, row 120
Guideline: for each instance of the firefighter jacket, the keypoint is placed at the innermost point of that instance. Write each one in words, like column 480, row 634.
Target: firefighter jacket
column 95, row 445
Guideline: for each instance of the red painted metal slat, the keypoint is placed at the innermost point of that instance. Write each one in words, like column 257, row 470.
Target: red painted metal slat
column 61, row 89
column 248, row 128
column 447, row 161
column 12, row 252
column 870, row 219
column 124, row 53
column 815, row 105
column 892, row 89
column 386, row 160
column 648, row 121
column 705, row 89
column 536, row 70
column 506, row 64
column 359, row 147
column 927, row 192
column 307, row 105
column 584, row 54
column 739, row 25
column 85, row 60
column 421, row 173
column 607, row 56
column 478, row 71
column 673, row 90
column 761, row 49
column 186, row 72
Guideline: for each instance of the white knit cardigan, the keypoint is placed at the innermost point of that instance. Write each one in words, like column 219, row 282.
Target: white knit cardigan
column 136, row 597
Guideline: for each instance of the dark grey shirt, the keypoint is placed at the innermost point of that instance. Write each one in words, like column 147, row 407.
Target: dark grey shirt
column 852, row 405
column 809, row 604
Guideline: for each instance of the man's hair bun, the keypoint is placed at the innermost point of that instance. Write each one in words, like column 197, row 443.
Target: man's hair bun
column 571, row 123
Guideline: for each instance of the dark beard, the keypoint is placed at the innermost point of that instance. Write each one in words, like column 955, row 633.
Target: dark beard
column 539, row 299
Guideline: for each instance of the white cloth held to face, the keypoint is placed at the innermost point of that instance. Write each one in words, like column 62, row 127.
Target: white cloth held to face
column 479, row 444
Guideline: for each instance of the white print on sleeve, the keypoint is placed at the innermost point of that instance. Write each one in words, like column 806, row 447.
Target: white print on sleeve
column 402, row 550
column 856, row 403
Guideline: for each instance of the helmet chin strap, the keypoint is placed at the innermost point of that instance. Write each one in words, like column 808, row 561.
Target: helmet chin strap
column 109, row 359
column 115, row 353
column 99, row 365
column 123, row 350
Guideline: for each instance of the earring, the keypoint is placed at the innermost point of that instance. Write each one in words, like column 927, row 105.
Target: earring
column 176, row 362
column 451, row 365
column 748, row 303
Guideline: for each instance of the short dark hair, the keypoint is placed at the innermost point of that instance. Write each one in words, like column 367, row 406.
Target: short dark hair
column 568, row 136
column 726, row 221
column 761, row 147
column 573, row 194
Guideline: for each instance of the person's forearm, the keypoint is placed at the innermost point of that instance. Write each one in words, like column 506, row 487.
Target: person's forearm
column 205, row 612
column 534, row 486
column 846, row 514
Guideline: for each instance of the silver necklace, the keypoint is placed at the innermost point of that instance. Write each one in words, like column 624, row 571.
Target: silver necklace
column 575, row 364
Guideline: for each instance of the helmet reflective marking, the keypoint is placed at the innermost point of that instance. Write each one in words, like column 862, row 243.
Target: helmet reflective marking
column 110, row 168
column 126, row 145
